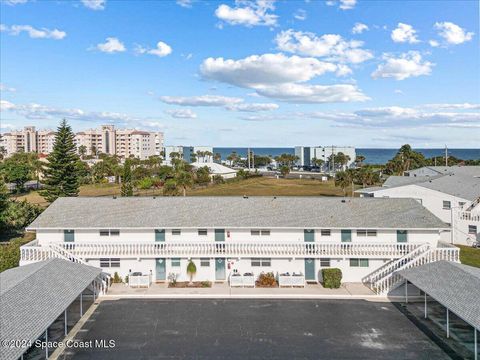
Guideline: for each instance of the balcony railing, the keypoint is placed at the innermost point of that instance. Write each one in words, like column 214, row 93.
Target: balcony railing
column 466, row 215
column 33, row 252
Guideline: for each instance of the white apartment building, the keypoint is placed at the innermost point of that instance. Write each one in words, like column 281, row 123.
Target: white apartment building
column 28, row 140
column 307, row 153
column 106, row 139
column 368, row 239
column 121, row 142
column 450, row 193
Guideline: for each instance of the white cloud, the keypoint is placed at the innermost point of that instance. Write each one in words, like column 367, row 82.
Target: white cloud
column 305, row 93
column 452, row 33
column 5, row 88
column 300, row 14
column 202, row 100
column 398, row 91
column 185, row 3
column 161, row 50
column 34, row 33
column 258, row 70
column 407, row 65
column 331, row 46
column 277, row 76
column 434, row 43
column 464, row 106
column 248, row 13
column 111, row 45
column 182, row 113
column 359, row 28
column 6, row 105
column 404, row 33
column 252, row 107
column 14, row 2
column 95, row 4
column 343, row 4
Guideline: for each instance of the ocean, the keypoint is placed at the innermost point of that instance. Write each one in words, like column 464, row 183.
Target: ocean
column 372, row 156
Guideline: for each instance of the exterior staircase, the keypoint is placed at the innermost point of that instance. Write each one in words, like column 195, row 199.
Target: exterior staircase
column 386, row 278
column 62, row 253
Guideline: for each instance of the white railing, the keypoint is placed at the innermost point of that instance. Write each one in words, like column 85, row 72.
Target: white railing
column 423, row 255
column 62, row 252
column 139, row 280
column 237, row 249
column 238, row 280
column 465, row 215
column 32, row 252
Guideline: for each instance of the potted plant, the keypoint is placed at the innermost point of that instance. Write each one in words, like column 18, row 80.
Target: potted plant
column 191, row 271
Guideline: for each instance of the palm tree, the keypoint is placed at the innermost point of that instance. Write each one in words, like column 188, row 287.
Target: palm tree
column 191, row 270
column 344, row 179
column 359, row 160
column 184, row 179
column 82, row 151
column 217, row 157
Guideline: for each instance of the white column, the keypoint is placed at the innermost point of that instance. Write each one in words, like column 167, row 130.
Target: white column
column 46, row 341
column 475, row 345
column 448, row 323
column 94, row 290
column 66, row 327
column 81, row 304
column 425, row 305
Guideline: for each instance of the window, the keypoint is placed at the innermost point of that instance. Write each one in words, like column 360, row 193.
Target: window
column 461, row 203
column 176, row 232
column 363, row 233
column 260, row 232
column 109, row 232
column 204, row 262
column 261, row 262
column 202, row 232
column 447, row 205
column 175, row 262
column 254, row 232
column 109, row 262
column 324, row 262
column 358, row 262
column 472, row 229
column 325, row 232
column 68, row 235
column 265, row 232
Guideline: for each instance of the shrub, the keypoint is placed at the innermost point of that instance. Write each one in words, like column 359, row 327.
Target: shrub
column 172, row 279
column 126, row 279
column 206, row 284
column 266, row 279
column 116, row 278
column 218, row 179
column 332, row 278
column 191, row 270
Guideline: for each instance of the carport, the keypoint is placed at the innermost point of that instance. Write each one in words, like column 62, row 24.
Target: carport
column 455, row 286
column 42, row 298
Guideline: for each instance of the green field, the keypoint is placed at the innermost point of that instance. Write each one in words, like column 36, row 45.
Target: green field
column 469, row 256
column 258, row 186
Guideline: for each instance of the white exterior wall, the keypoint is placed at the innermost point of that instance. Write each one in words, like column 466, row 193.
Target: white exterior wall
column 433, row 201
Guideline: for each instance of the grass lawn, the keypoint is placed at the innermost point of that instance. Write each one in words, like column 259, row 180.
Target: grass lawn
column 258, row 186
column 469, row 256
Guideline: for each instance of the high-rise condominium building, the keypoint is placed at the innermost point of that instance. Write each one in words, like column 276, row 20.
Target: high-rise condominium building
column 106, row 139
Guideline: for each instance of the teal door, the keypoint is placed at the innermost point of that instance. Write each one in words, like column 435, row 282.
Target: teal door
column 310, row 269
column 160, row 272
column 346, row 235
column 309, row 235
column 69, row 235
column 401, row 236
column 219, row 234
column 220, row 269
column 160, row 235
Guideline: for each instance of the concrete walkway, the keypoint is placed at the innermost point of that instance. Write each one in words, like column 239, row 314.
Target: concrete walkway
column 222, row 290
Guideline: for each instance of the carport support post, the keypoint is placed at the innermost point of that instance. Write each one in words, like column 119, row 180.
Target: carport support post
column 94, row 290
column 425, row 305
column 66, row 330
column 448, row 323
column 475, row 345
column 46, row 343
column 81, row 304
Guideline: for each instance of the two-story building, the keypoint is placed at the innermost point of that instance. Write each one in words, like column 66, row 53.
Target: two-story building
column 221, row 235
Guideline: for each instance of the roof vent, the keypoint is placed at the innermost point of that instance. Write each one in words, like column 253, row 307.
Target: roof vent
column 114, row 196
column 245, row 196
column 343, row 201
column 154, row 197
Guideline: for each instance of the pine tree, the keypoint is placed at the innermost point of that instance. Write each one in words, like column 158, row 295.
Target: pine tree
column 61, row 176
column 127, row 188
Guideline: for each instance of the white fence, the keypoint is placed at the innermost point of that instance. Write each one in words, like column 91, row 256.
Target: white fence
column 139, row 280
column 238, row 280
column 285, row 280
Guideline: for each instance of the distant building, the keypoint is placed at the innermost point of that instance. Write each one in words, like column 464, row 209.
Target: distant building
column 306, row 154
column 189, row 154
column 106, row 139
column 216, row 169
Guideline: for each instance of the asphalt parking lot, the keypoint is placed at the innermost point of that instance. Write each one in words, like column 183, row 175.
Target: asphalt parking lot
column 253, row 329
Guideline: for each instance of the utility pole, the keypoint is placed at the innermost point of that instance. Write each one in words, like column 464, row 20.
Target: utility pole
column 446, row 155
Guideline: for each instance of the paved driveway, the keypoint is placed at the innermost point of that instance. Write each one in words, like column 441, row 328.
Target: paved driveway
column 253, row 329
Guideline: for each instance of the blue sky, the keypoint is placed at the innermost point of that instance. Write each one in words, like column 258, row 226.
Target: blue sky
column 247, row 73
